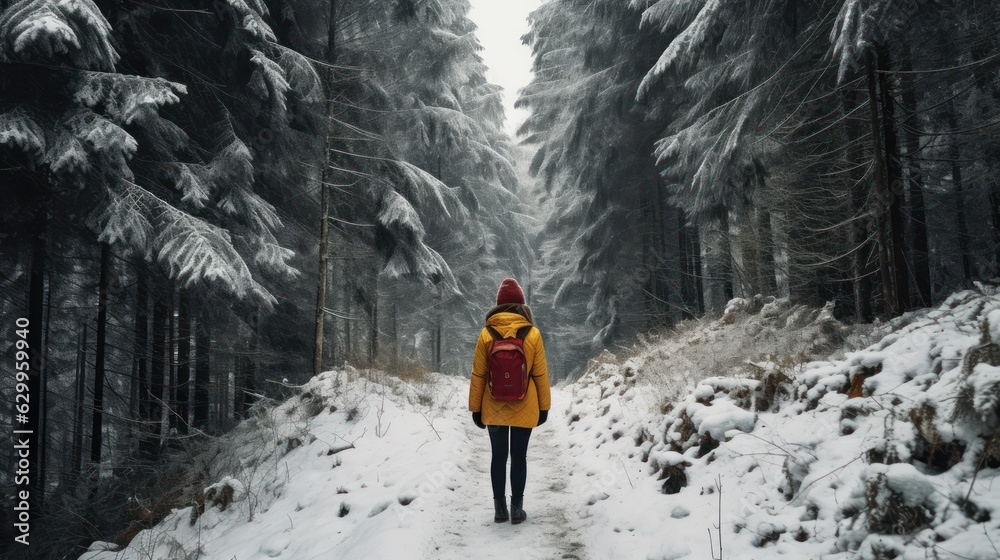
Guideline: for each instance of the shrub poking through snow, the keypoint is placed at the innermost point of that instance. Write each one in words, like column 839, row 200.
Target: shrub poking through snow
column 898, row 499
column 223, row 493
column 671, row 466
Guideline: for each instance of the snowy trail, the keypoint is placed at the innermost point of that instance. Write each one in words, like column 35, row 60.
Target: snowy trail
column 553, row 529
column 359, row 468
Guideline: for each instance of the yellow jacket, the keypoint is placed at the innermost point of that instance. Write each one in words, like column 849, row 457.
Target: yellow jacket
column 522, row 413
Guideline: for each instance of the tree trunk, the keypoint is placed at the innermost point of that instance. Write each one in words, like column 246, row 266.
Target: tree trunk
column 768, row 280
column 30, row 424
column 985, row 81
column 650, row 221
column 140, row 347
column 324, row 248
column 223, row 397
column 373, row 319
column 245, row 389
column 894, row 176
column 395, row 341
column 995, row 215
column 883, row 196
column 687, row 295
column 183, row 361
column 955, row 153
column 327, row 180
column 81, row 395
column 663, row 243
column 348, row 349
column 332, row 344
column 171, row 389
column 862, row 255
column 699, row 276
column 437, row 342
column 918, row 214
column 97, row 415
column 202, row 371
column 749, row 251
column 154, row 422
column 44, row 420
column 726, row 269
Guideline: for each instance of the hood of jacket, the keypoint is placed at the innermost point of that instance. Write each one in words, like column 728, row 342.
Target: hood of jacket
column 519, row 308
column 506, row 319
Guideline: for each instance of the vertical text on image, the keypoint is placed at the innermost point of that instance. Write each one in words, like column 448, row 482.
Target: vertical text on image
column 22, row 447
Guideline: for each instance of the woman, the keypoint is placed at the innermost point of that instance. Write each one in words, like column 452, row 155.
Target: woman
column 509, row 421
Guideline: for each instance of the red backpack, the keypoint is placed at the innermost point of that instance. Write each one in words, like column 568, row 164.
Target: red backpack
column 508, row 373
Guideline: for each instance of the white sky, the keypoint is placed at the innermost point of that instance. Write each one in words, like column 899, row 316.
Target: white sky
column 501, row 24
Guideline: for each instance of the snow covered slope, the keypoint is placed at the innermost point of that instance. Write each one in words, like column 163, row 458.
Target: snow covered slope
column 890, row 452
column 887, row 452
column 363, row 465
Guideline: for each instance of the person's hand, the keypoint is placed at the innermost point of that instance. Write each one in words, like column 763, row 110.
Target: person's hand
column 477, row 417
column 543, row 415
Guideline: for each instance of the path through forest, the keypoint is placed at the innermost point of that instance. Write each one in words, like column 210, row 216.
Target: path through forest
column 555, row 507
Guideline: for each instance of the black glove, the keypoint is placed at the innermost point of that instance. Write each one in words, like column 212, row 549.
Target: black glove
column 543, row 415
column 477, row 417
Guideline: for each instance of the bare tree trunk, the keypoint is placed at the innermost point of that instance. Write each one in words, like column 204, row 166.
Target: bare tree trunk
column 882, row 191
column 31, row 422
column 202, row 371
column 97, row 415
column 726, row 269
column 153, row 423
column 649, row 220
column 894, row 176
column 437, row 342
column 699, row 275
column 348, row 349
column 327, row 180
column 331, row 343
column 687, row 296
column 749, row 251
column 985, row 81
column 81, row 395
column 862, row 256
column 663, row 242
column 223, row 397
column 44, row 421
column 140, row 347
column 956, row 180
column 768, row 280
column 373, row 319
column 171, row 389
column 324, row 249
column 918, row 214
column 183, row 361
column 395, row 340
column 994, row 196
column 245, row 388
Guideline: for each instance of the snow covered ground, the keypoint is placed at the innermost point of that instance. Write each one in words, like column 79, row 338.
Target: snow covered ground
column 868, row 454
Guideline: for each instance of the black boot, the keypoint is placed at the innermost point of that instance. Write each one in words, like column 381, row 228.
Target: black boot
column 500, row 508
column 517, row 514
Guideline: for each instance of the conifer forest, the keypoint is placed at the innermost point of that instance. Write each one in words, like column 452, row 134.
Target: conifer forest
column 205, row 203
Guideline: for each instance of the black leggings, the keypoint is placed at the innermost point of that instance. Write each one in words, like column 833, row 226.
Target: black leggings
column 516, row 439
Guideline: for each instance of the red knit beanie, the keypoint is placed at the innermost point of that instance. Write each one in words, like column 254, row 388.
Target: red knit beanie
column 510, row 292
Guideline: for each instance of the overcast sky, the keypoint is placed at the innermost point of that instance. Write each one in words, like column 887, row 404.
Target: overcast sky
column 501, row 24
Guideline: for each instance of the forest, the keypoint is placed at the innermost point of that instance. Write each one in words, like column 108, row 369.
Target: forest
column 204, row 203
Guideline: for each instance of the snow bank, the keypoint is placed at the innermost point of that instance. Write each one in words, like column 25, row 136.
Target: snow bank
column 890, row 451
column 347, row 465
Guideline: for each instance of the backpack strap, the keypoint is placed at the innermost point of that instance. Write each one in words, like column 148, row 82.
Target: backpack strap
column 522, row 332
column 494, row 333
